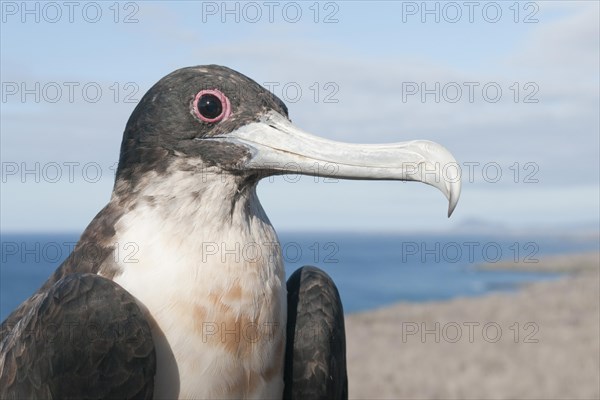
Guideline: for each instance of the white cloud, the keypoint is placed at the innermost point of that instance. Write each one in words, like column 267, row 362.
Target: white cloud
column 570, row 43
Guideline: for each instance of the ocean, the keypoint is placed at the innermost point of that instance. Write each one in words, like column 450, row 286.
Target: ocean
column 370, row 270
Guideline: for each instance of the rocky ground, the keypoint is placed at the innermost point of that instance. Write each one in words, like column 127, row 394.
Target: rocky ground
column 540, row 342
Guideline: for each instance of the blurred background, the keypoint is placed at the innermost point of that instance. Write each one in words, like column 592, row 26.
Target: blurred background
column 510, row 88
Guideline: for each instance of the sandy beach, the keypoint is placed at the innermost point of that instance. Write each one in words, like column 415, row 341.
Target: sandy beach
column 540, row 342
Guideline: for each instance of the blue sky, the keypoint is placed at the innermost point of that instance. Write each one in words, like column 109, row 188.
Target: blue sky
column 529, row 153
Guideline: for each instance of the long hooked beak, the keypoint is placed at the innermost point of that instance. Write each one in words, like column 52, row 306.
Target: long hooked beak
column 278, row 147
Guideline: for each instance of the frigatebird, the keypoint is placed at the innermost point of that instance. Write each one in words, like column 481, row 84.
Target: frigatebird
column 194, row 313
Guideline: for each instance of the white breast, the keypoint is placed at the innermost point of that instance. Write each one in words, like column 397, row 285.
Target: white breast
column 212, row 280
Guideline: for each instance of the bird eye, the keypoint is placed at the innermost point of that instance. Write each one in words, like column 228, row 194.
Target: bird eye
column 211, row 105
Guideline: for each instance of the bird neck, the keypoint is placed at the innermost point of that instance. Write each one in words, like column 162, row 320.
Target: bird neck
column 187, row 189
column 195, row 211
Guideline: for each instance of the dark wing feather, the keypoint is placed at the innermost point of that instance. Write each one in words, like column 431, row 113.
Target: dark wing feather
column 92, row 254
column 315, row 358
column 83, row 338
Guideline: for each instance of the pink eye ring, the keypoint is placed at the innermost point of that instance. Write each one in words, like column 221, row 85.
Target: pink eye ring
column 211, row 105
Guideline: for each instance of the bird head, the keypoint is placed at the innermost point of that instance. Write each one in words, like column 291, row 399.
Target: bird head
column 217, row 118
